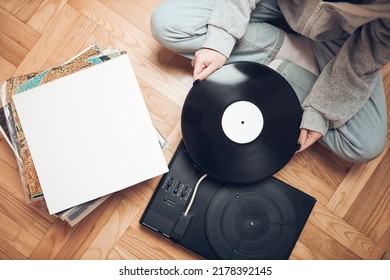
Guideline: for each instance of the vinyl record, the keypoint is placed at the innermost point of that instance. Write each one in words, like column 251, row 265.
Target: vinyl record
column 241, row 124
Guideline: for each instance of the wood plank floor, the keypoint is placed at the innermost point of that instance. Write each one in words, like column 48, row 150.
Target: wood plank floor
column 351, row 219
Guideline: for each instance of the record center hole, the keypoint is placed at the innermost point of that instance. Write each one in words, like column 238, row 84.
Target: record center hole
column 242, row 122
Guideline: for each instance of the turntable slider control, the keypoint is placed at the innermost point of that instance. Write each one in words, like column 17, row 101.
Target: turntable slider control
column 184, row 191
column 169, row 202
column 176, row 188
column 168, row 183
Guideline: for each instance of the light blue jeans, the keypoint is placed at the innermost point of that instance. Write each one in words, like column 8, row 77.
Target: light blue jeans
column 181, row 26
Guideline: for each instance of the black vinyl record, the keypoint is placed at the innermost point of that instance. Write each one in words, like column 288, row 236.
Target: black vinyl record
column 241, row 124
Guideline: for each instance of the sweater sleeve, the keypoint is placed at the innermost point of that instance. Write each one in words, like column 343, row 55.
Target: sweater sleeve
column 228, row 23
column 348, row 80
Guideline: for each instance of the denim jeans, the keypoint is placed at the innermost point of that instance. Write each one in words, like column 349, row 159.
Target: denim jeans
column 181, row 26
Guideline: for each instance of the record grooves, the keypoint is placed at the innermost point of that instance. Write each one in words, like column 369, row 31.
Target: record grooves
column 278, row 122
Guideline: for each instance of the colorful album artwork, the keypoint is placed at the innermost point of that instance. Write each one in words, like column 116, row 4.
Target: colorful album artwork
column 3, row 123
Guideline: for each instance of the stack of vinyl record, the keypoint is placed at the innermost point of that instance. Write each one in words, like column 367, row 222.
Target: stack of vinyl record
column 12, row 130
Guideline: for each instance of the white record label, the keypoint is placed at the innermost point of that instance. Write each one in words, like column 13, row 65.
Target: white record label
column 242, row 122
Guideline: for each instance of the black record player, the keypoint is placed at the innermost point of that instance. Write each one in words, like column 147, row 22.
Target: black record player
column 220, row 198
column 261, row 220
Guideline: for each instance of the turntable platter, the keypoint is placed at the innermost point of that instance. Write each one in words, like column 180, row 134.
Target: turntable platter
column 247, row 222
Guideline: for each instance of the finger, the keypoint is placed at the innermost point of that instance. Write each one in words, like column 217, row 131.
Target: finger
column 198, row 68
column 302, row 139
column 308, row 143
column 311, row 139
column 205, row 73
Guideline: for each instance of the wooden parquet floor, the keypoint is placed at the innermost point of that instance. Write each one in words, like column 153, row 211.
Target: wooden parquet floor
column 351, row 219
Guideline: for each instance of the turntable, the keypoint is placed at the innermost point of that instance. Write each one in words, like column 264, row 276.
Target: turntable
column 219, row 198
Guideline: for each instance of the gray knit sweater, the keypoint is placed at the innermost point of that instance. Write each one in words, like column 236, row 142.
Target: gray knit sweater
column 347, row 81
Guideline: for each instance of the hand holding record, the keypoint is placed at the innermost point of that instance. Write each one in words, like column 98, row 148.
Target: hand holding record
column 307, row 138
column 206, row 62
column 241, row 124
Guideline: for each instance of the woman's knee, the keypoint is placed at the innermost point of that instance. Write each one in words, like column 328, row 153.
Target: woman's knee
column 372, row 120
column 369, row 151
column 357, row 149
column 364, row 136
column 364, row 156
column 160, row 22
column 181, row 25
